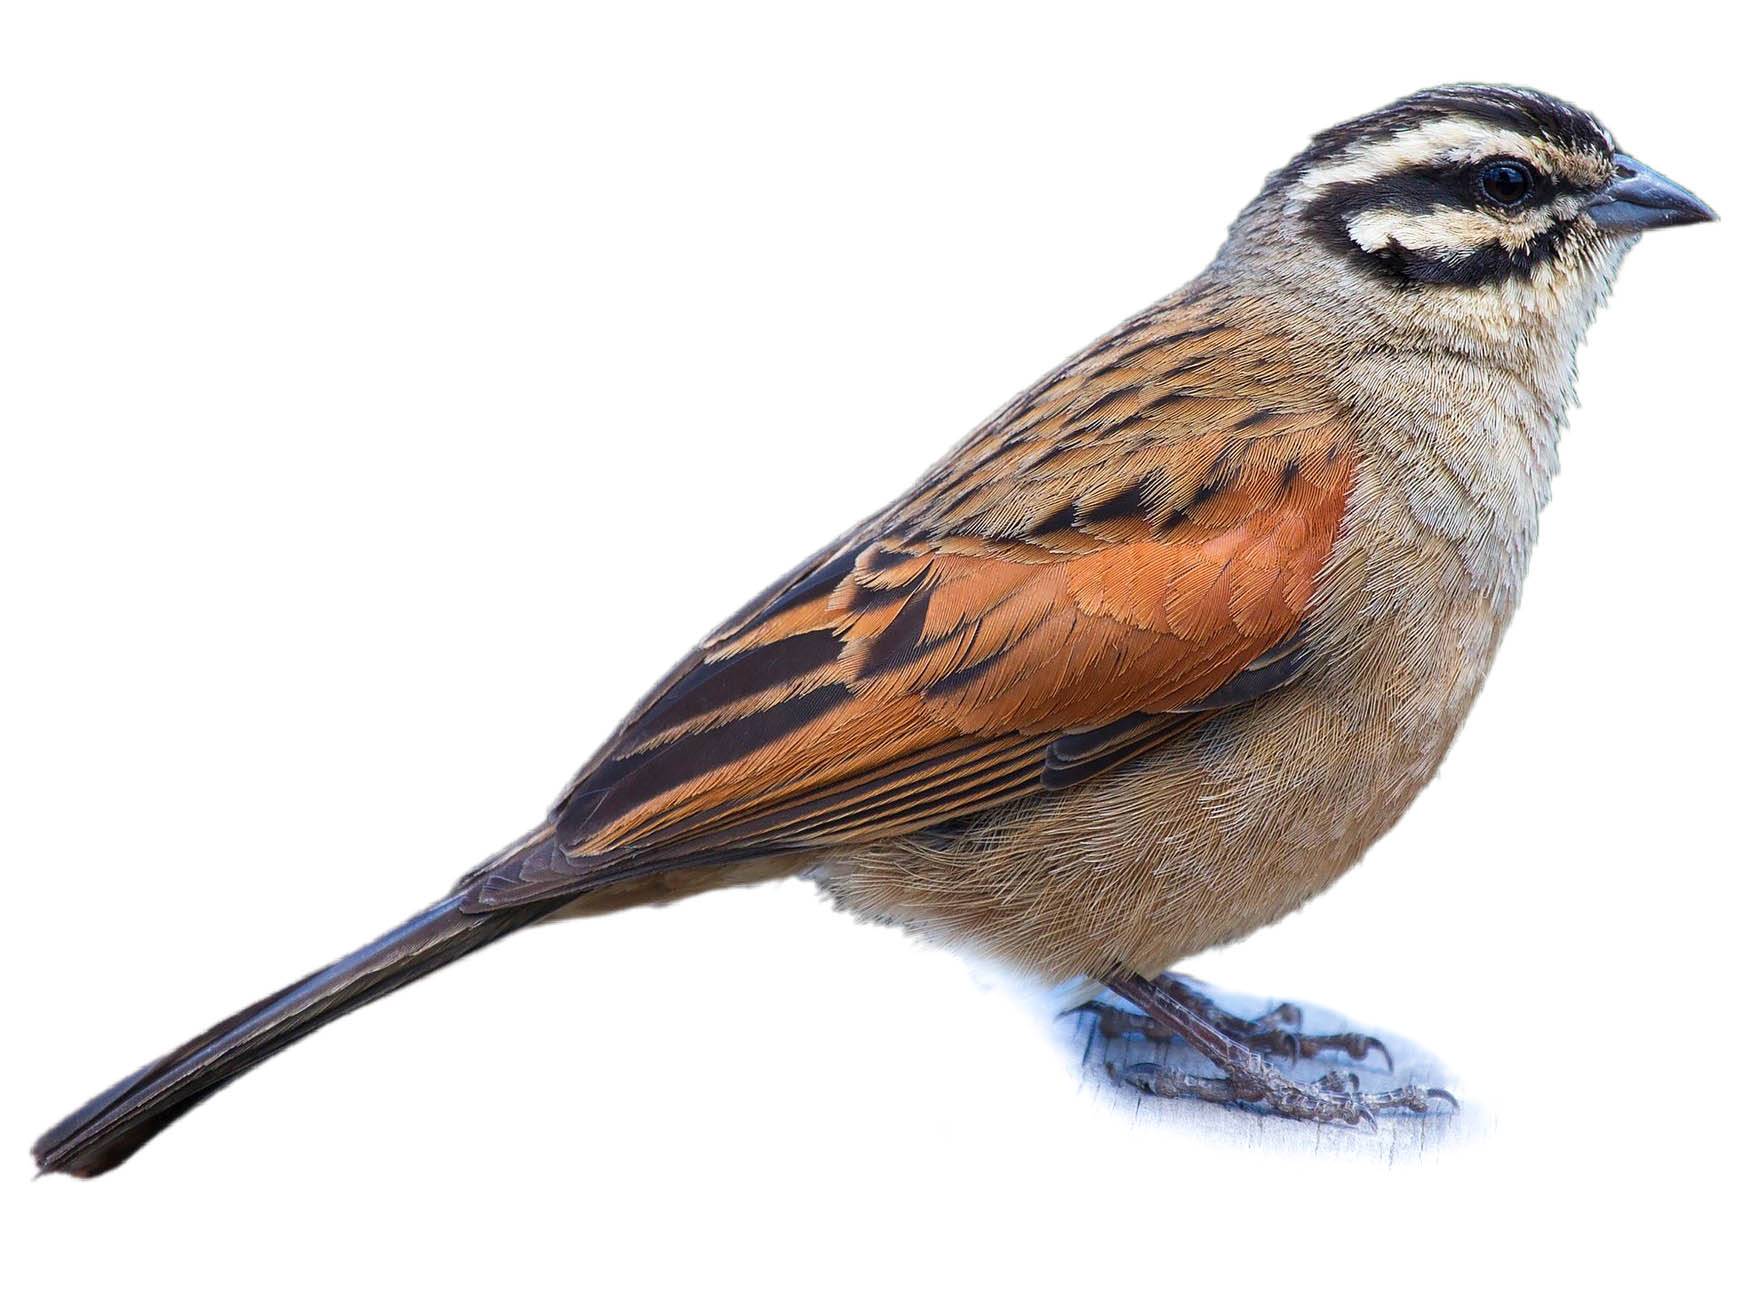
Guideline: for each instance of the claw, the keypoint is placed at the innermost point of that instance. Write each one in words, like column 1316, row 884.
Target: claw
column 1284, row 1014
column 1116, row 1022
column 1444, row 1097
column 1141, row 1076
column 1372, row 1045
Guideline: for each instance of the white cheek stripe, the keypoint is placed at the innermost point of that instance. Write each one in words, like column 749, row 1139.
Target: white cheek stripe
column 1443, row 230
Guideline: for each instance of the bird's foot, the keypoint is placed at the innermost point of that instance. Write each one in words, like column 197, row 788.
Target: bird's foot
column 1278, row 1032
column 1335, row 1098
column 1236, row 1046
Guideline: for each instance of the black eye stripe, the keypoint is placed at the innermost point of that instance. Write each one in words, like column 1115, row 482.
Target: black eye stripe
column 1421, row 190
column 1425, row 189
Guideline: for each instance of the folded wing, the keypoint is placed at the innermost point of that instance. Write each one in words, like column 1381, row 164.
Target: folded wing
column 1128, row 546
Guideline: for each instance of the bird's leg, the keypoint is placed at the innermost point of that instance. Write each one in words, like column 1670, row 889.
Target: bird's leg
column 1246, row 1077
column 1277, row 1032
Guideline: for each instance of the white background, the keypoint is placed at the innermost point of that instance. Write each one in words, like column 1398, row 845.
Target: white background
column 392, row 392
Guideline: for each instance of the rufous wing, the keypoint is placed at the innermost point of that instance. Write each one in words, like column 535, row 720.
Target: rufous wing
column 1133, row 543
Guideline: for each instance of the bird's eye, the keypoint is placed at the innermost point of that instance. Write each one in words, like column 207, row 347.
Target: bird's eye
column 1506, row 182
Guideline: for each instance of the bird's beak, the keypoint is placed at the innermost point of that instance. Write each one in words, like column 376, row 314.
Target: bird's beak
column 1640, row 199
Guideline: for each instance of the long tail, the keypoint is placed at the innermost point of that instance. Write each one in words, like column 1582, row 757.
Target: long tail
column 110, row 1128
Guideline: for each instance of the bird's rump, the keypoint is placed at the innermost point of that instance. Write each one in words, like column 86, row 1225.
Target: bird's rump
column 1132, row 542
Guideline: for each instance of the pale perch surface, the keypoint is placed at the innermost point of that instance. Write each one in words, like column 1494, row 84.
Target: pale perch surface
column 1395, row 1137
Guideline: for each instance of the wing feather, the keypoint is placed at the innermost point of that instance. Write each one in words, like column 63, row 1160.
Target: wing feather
column 1129, row 546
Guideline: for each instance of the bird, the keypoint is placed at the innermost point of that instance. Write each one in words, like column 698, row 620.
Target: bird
column 1146, row 661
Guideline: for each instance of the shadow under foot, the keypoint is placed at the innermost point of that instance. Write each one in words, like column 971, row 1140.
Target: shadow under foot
column 1106, row 1047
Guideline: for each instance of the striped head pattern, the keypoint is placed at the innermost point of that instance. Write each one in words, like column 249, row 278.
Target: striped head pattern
column 1458, row 186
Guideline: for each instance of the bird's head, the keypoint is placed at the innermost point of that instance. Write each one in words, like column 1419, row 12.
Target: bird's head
column 1461, row 210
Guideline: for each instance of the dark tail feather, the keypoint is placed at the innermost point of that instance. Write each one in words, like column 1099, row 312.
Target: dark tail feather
column 113, row 1126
